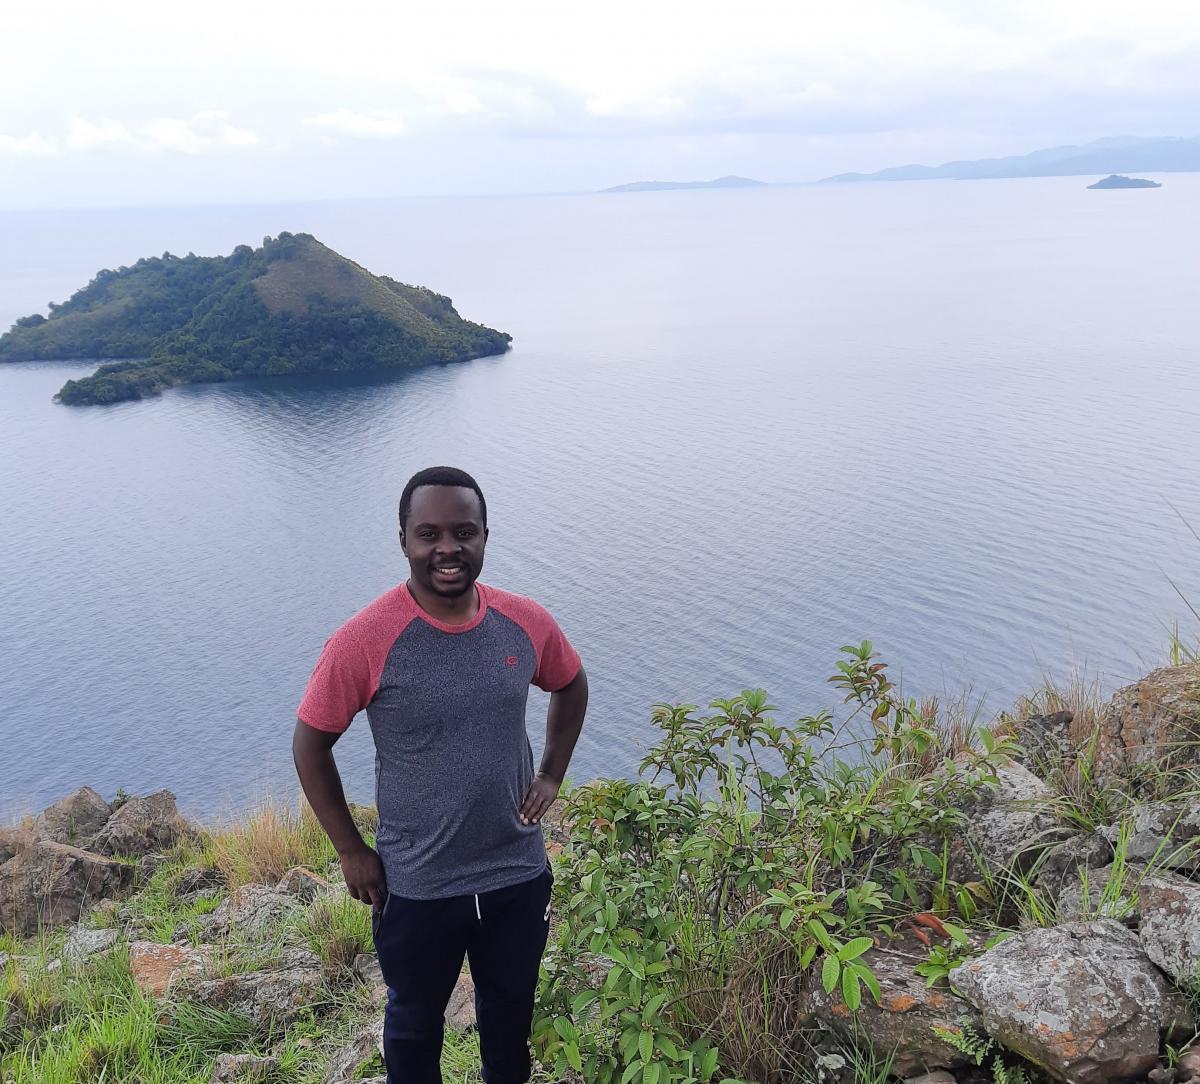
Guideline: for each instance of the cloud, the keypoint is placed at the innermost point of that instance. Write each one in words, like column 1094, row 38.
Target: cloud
column 206, row 132
column 201, row 134
column 33, row 145
column 83, row 135
column 346, row 122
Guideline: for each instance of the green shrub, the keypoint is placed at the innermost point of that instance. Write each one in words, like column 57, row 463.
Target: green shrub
column 746, row 854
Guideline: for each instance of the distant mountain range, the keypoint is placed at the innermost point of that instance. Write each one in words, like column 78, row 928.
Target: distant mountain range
column 670, row 186
column 1114, row 155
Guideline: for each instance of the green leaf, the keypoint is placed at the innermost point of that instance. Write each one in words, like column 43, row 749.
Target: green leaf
column 851, row 950
column 573, row 1058
column 869, row 981
column 850, row 990
column 646, row 1045
column 651, row 1073
column 830, row 970
column 708, row 1063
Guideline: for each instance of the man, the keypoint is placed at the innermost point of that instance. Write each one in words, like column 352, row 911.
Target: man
column 442, row 665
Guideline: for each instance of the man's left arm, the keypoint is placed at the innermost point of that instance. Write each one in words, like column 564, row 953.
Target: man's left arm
column 564, row 721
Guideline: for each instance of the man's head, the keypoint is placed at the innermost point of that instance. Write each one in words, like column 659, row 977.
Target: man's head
column 443, row 530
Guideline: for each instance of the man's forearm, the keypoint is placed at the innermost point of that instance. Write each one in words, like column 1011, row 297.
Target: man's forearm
column 564, row 721
column 323, row 788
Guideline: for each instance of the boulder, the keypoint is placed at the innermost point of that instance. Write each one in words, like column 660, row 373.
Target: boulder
column 143, row 826
column 84, row 943
column 1065, row 862
column 1161, row 833
column 1170, row 926
column 345, row 1063
column 1152, row 724
column 52, row 883
column 243, row 1069
column 74, row 819
column 305, row 885
column 1092, row 895
column 196, row 881
column 1006, row 825
column 460, row 1010
column 271, row 999
column 903, row 1024
column 157, row 968
column 252, row 912
column 1046, row 740
column 366, row 968
column 1082, row 1001
column 13, row 840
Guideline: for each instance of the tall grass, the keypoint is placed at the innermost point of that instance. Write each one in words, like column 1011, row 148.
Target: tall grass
column 263, row 846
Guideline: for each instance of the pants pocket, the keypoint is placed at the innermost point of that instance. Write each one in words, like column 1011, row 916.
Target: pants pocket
column 377, row 916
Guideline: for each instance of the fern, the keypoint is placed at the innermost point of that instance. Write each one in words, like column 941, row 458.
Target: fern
column 968, row 1041
column 1006, row 1074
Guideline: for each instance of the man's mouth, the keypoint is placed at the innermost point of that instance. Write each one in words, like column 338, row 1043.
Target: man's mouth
column 449, row 571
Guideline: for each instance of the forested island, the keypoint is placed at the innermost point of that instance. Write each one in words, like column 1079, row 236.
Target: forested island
column 291, row 306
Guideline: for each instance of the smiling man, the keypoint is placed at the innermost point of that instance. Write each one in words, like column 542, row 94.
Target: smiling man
column 442, row 666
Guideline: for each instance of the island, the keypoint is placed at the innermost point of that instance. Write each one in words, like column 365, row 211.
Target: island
column 672, row 186
column 290, row 306
column 1116, row 181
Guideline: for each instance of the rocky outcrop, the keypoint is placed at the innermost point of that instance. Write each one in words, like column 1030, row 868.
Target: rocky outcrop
column 1066, row 863
column 252, row 912
column 1161, row 833
column 1005, row 826
column 157, row 968
column 83, row 943
column 271, row 999
column 1082, row 1001
column 1170, row 925
column 345, row 1064
column 1152, row 724
column 48, row 884
column 143, row 826
column 906, row 1022
column 243, row 1069
column 74, row 819
column 1046, row 740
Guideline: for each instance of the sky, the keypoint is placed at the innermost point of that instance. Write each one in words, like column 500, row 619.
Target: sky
column 135, row 102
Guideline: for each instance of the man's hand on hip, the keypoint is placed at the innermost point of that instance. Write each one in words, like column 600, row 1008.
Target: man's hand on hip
column 365, row 880
column 540, row 797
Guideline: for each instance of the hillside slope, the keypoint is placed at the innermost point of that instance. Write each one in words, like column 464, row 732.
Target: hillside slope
column 291, row 306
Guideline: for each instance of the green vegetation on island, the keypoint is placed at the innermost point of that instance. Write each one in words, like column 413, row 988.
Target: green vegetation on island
column 291, row 306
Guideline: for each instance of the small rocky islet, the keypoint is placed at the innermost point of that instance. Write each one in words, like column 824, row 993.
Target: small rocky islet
column 1115, row 180
column 290, row 306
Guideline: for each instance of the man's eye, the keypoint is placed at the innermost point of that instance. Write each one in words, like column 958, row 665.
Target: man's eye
column 427, row 534
column 466, row 533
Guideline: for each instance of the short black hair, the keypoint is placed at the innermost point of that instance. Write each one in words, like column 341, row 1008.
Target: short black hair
column 440, row 476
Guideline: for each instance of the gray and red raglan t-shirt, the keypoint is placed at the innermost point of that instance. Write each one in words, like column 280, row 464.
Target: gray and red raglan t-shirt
column 446, row 705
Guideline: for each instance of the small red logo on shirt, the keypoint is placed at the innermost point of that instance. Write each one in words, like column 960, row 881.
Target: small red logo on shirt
column 512, row 660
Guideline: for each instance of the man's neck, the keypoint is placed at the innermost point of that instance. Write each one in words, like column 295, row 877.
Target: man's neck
column 453, row 611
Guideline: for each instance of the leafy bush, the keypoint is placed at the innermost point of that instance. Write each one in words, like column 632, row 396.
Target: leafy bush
column 748, row 855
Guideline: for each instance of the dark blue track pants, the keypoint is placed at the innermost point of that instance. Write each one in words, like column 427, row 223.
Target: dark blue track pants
column 421, row 945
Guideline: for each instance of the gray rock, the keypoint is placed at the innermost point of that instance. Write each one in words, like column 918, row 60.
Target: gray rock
column 254, row 912
column 1081, row 1001
column 1170, row 926
column 1046, row 740
column 84, row 943
column 270, row 999
column 366, row 967
column 345, row 1062
column 1065, row 861
column 242, row 1069
column 1006, row 825
column 303, row 884
column 74, row 819
column 460, row 1010
column 197, row 880
column 1162, row 833
column 143, row 826
column 1081, row 900
column 52, row 883
column 902, row 1026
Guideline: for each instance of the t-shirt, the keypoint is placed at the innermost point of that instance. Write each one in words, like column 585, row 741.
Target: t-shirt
column 446, row 705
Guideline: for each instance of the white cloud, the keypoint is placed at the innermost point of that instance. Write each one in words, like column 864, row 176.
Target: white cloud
column 33, row 145
column 84, row 135
column 360, row 125
column 202, row 133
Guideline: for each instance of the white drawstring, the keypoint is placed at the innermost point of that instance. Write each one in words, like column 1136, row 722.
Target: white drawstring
column 478, row 913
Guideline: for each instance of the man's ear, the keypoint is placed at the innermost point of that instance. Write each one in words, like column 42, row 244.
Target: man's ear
column 485, row 536
column 403, row 544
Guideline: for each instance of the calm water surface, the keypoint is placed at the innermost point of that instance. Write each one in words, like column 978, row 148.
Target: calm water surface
column 736, row 430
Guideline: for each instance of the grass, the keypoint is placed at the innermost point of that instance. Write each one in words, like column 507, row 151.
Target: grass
column 271, row 840
column 338, row 928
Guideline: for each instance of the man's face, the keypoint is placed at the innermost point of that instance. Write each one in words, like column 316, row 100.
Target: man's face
column 443, row 539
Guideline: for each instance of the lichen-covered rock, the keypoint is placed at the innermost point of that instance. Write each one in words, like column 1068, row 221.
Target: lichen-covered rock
column 904, row 1023
column 345, row 1063
column 1066, row 862
column 1170, row 926
column 195, row 881
column 157, row 968
column 1163, row 833
column 270, row 999
column 1108, row 892
column 1081, row 1000
column 74, row 819
column 243, row 1069
column 252, row 912
column 83, row 943
column 460, row 1010
column 302, row 883
column 49, row 884
column 1154, row 723
column 366, row 968
column 1046, row 739
column 143, row 826
column 1006, row 825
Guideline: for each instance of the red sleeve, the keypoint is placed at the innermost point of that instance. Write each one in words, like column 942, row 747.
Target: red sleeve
column 341, row 685
column 557, row 661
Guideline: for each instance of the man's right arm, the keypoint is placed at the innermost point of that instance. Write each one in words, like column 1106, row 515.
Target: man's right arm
column 312, row 750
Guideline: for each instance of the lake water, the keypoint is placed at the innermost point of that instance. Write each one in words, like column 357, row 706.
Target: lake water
column 736, row 430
